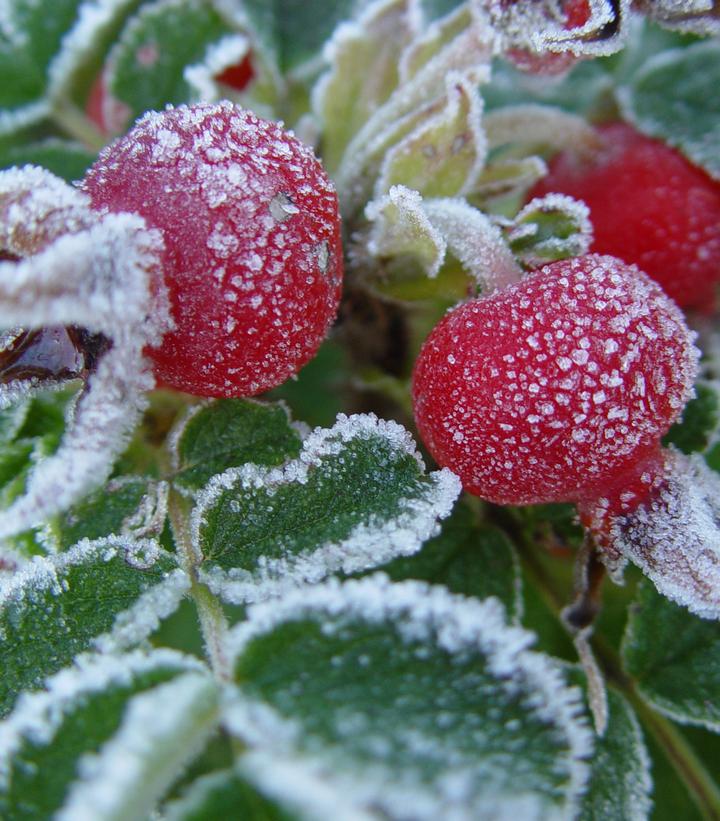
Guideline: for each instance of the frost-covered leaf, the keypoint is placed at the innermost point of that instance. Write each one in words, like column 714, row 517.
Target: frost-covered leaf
column 406, row 701
column 356, row 497
column 508, row 176
column 291, row 32
column 43, row 741
column 228, row 433
column 579, row 91
column 475, row 241
column 674, row 98
column 402, row 228
column 363, row 73
column 405, row 224
column 539, row 125
column 620, row 783
column 468, row 559
column 444, row 155
column 674, row 659
column 699, row 426
column 40, row 52
column 459, row 45
column 229, row 794
column 674, row 538
column 161, row 730
column 131, row 506
column 146, row 66
column 108, row 595
column 67, row 159
column 32, row 430
column 550, row 228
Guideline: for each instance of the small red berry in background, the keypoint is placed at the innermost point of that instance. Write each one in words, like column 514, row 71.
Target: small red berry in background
column 253, row 256
column 557, row 388
column 649, row 206
column 238, row 76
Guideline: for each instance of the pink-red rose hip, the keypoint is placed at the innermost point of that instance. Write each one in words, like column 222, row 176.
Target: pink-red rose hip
column 253, row 258
column 649, row 206
column 557, row 388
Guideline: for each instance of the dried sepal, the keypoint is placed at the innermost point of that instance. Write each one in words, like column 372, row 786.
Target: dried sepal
column 445, row 154
column 422, row 95
column 102, row 275
column 543, row 26
column 674, row 538
column 36, row 208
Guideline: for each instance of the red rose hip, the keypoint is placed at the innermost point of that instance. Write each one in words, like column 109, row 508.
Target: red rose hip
column 649, row 206
column 253, row 257
column 557, row 388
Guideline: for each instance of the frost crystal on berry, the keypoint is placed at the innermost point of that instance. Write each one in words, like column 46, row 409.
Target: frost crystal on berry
column 556, row 387
column 253, row 261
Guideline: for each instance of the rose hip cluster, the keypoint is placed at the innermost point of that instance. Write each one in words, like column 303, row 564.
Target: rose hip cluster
column 253, row 257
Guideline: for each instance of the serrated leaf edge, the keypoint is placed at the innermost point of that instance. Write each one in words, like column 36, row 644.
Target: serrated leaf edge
column 456, row 623
column 37, row 716
column 365, row 546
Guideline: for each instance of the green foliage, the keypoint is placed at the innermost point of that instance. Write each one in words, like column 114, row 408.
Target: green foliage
column 392, row 654
column 674, row 658
column 673, row 97
column 398, row 681
column 64, row 605
column 226, row 434
column 148, row 62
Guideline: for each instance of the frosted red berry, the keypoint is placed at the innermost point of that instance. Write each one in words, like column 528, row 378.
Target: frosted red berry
column 648, row 206
column 253, row 258
column 557, row 388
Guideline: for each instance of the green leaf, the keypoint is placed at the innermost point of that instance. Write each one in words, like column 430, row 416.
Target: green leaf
column 292, row 31
column 146, row 66
column 697, row 428
column 226, row 794
column 468, row 559
column 349, row 94
column 674, row 98
column 31, row 430
column 620, row 783
column 161, row 730
column 108, row 595
column 439, row 8
column 43, row 50
column 228, row 433
column 29, row 40
column 356, row 497
column 674, row 658
column 64, row 158
column 44, row 738
column 407, row 700
column 550, row 228
column 128, row 505
column 445, row 153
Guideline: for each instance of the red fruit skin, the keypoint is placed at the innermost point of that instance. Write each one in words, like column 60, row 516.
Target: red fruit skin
column 649, row 206
column 557, row 388
column 253, row 256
